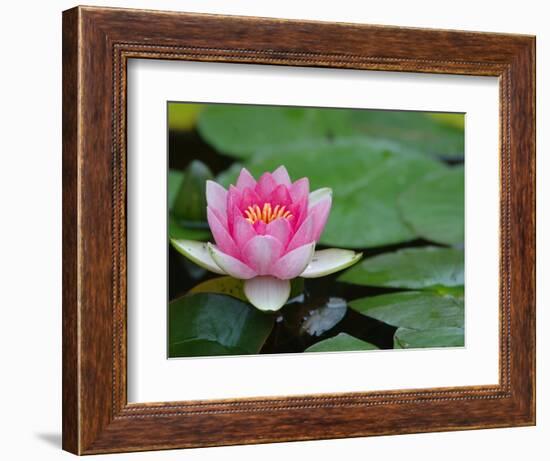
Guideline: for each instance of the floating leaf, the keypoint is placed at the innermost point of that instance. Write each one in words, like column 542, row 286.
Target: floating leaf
column 175, row 178
column 187, row 202
column 419, row 130
column 183, row 116
column 418, row 310
column 212, row 324
column 366, row 180
column 323, row 318
column 243, row 131
column 340, row 343
column 414, row 268
column 221, row 285
column 434, row 206
column 455, row 292
column 178, row 231
column 190, row 202
column 405, row 338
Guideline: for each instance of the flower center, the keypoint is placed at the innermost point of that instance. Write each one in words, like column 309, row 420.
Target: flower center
column 266, row 214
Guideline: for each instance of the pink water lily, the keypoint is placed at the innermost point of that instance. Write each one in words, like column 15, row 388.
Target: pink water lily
column 265, row 233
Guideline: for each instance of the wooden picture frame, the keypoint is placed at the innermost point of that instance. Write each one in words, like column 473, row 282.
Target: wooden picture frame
column 97, row 43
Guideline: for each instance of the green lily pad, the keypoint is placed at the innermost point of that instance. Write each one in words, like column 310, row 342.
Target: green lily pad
column 190, row 201
column 175, row 178
column 187, row 202
column 416, row 310
column 436, row 134
column 414, row 268
column 322, row 318
column 340, row 343
column 212, row 324
column 405, row 338
column 181, row 232
column 221, row 285
column 434, row 206
column 455, row 292
column 366, row 180
column 243, row 131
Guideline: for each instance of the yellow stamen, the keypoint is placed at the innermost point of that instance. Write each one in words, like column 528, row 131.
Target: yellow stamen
column 266, row 213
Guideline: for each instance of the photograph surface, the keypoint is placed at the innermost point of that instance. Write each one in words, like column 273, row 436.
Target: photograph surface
column 304, row 229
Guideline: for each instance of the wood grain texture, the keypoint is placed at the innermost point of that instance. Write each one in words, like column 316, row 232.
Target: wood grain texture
column 70, row 383
column 97, row 43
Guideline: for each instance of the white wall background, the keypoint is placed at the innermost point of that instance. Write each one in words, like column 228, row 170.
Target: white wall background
column 30, row 228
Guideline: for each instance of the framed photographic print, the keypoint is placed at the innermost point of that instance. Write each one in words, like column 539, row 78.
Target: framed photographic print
column 281, row 230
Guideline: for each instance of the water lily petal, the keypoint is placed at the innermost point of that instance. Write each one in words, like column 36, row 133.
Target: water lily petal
column 280, row 229
column 221, row 235
column 243, row 231
column 280, row 175
column 325, row 262
column 232, row 266
column 249, row 198
column 299, row 190
column 261, row 252
column 299, row 212
column 320, row 212
column 280, row 196
column 216, row 197
column 319, row 194
column 266, row 185
column 222, row 218
column 303, row 235
column 198, row 253
column 245, row 180
column 260, row 227
column 292, row 264
column 234, row 198
column 267, row 293
column 232, row 214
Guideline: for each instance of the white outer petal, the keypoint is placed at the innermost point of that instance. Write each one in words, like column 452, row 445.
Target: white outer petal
column 325, row 262
column 267, row 293
column 317, row 195
column 232, row 266
column 198, row 253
